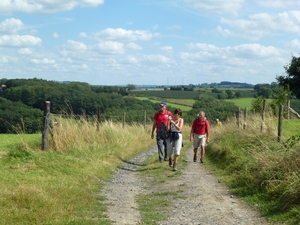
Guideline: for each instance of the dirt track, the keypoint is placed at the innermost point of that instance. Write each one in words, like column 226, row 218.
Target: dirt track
column 206, row 201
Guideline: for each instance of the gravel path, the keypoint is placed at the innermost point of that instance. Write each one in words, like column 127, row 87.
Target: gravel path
column 206, row 201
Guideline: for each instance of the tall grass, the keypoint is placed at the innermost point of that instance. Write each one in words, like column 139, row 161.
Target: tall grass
column 62, row 185
column 263, row 171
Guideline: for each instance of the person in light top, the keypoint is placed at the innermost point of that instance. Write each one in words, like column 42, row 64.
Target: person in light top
column 174, row 145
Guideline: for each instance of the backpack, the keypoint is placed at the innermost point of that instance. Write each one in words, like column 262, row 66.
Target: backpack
column 162, row 132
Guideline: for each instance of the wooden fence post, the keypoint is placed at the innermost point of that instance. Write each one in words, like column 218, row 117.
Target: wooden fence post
column 288, row 109
column 145, row 119
column 280, row 123
column 237, row 115
column 245, row 118
column 263, row 115
column 46, row 124
column 123, row 119
column 98, row 118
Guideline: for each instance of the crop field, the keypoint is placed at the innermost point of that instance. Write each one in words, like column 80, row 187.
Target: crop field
column 168, row 94
column 184, row 104
column 242, row 102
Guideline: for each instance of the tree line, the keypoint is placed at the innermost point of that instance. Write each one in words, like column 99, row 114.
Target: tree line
column 22, row 100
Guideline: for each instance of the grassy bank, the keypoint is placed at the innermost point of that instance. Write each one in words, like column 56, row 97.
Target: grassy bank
column 62, row 185
column 262, row 171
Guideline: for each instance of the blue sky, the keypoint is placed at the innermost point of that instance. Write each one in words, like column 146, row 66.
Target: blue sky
column 148, row 42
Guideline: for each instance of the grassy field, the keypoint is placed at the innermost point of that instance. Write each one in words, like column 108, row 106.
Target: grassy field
column 62, row 185
column 184, row 104
column 242, row 102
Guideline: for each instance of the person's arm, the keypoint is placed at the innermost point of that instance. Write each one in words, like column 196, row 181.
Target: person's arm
column 207, row 132
column 192, row 132
column 169, row 123
column 153, row 129
column 180, row 125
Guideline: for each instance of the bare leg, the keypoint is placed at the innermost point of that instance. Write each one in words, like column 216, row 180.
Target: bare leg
column 195, row 154
column 202, row 153
column 175, row 162
column 175, row 158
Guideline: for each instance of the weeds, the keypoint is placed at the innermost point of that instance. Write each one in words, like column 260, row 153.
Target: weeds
column 62, row 185
column 258, row 168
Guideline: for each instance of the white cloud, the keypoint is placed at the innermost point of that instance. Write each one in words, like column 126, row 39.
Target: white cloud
column 130, row 60
column 74, row 49
column 294, row 44
column 55, row 35
column 121, row 34
column 278, row 3
column 174, row 27
column 255, row 51
column 219, row 6
column 42, row 6
column 134, row 46
column 262, row 24
column 166, row 48
column 11, row 26
column 7, row 59
column 109, row 47
column 25, row 51
column 230, row 55
column 19, row 41
column 43, row 61
column 84, row 66
column 83, row 34
column 75, row 46
column 157, row 59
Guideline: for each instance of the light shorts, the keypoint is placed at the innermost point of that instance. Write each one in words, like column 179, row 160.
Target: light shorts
column 174, row 147
column 199, row 140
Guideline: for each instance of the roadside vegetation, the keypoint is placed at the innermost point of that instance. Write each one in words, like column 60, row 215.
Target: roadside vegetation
column 260, row 170
column 62, row 185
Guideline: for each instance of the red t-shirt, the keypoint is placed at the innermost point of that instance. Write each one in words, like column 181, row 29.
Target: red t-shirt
column 162, row 117
column 200, row 126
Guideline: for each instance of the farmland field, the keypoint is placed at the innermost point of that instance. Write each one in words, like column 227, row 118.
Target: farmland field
column 242, row 102
column 184, row 104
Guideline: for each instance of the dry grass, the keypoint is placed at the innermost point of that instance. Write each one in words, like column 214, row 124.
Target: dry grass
column 62, row 185
column 258, row 167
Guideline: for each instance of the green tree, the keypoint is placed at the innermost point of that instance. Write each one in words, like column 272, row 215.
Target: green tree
column 257, row 104
column 292, row 80
column 230, row 94
column 130, row 87
column 212, row 107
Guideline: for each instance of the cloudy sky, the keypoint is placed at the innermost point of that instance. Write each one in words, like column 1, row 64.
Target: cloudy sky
column 148, row 42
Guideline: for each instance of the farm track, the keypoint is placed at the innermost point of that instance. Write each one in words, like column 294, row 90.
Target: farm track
column 204, row 200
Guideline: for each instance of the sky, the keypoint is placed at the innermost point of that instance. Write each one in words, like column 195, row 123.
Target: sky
column 148, row 42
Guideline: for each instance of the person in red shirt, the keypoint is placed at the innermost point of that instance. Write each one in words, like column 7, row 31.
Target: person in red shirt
column 200, row 135
column 161, row 116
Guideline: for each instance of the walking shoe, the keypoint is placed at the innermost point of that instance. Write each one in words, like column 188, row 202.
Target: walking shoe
column 160, row 160
column 166, row 158
column 201, row 160
column 174, row 167
column 170, row 162
column 195, row 158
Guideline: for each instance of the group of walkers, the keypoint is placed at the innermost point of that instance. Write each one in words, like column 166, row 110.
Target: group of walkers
column 168, row 128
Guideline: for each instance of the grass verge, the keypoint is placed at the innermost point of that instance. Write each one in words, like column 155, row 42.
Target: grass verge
column 260, row 170
column 62, row 185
